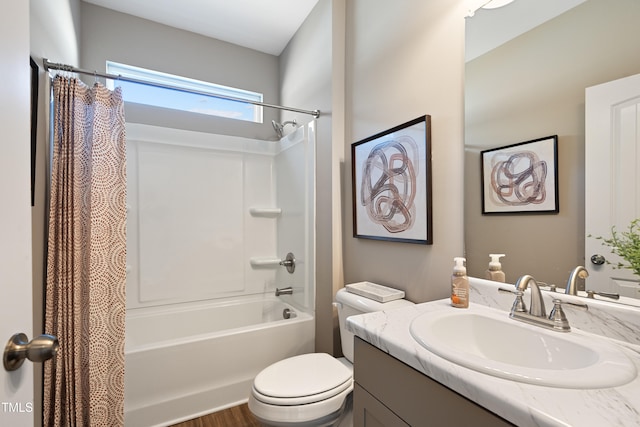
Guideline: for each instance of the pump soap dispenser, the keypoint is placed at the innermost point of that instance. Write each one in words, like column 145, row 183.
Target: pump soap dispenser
column 494, row 272
column 459, row 284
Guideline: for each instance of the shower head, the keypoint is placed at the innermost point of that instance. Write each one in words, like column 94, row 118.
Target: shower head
column 279, row 127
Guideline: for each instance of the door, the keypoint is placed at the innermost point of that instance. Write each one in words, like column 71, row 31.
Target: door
column 612, row 177
column 16, row 388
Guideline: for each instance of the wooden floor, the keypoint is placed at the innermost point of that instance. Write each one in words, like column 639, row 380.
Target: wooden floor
column 238, row 416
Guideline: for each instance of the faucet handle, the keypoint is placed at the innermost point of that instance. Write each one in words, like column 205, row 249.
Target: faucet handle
column 289, row 262
column 518, row 305
column 552, row 287
column 571, row 304
column 590, row 294
column 558, row 317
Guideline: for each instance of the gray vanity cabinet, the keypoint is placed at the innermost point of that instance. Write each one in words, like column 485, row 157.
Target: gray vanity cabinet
column 389, row 393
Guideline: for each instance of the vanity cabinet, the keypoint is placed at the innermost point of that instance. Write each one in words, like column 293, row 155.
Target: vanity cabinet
column 389, row 393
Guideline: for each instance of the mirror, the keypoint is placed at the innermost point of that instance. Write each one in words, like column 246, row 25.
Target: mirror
column 530, row 87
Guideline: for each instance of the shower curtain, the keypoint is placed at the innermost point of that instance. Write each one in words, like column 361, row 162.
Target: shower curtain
column 86, row 271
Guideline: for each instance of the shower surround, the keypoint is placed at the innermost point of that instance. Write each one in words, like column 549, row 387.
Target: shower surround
column 209, row 217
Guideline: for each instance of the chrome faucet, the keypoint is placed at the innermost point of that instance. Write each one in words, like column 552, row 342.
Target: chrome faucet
column 578, row 272
column 537, row 303
column 581, row 273
column 284, row 291
column 537, row 314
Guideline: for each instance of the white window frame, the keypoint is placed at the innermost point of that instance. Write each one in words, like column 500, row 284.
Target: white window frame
column 191, row 86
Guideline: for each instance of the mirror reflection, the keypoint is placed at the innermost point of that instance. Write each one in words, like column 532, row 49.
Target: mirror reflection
column 533, row 86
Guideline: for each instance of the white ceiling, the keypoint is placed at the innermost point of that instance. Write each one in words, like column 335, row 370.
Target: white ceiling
column 266, row 26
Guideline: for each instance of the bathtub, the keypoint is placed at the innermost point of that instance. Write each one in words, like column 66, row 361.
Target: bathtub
column 187, row 361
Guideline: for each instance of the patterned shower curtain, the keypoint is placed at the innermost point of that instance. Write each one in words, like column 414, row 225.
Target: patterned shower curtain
column 86, row 271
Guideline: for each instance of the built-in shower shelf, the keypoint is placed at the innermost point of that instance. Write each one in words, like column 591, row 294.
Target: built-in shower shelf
column 265, row 212
column 262, row 262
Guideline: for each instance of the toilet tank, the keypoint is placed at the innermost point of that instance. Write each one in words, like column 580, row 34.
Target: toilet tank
column 350, row 304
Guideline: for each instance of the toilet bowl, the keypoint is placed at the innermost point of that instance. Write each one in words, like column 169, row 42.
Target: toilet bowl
column 313, row 390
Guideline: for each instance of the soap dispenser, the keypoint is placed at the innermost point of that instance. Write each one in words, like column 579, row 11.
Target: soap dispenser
column 494, row 272
column 459, row 284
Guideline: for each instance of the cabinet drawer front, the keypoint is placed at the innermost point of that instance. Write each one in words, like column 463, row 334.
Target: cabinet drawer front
column 369, row 412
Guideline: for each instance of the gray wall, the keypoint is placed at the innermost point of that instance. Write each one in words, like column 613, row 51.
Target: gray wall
column 54, row 29
column 405, row 59
column 530, row 88
column 115, row 36
column 365, row 79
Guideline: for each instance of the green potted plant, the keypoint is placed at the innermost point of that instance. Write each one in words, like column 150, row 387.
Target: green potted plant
column 626, row 244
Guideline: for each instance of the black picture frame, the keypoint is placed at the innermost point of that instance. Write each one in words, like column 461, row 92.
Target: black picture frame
column 521, row 178
column 35, row 72
column 391, row 184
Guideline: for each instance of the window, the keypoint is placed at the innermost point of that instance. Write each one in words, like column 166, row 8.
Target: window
column 141, row 93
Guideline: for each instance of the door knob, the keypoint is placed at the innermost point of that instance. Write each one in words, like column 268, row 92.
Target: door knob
column 597, row 259
column 19, row 348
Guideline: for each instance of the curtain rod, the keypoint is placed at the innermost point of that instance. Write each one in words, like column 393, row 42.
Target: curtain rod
column 62, row 67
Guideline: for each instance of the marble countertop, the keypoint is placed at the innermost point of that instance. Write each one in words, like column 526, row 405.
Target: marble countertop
column 520, row 403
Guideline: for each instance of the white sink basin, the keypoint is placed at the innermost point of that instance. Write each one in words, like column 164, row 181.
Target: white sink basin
column 488, row 341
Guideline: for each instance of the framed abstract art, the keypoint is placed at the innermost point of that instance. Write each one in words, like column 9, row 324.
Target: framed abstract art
column 521, row 178
column 391, row 183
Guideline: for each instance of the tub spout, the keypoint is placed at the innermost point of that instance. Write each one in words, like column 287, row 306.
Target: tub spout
column 284, row 291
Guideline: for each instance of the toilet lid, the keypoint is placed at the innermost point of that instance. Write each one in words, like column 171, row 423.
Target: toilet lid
column 304, row 375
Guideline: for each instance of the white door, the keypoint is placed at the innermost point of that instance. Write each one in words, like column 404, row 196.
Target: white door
column 612, row 177
column 16, row 387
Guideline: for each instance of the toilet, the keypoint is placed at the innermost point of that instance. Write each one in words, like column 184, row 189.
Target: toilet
column 313, row 389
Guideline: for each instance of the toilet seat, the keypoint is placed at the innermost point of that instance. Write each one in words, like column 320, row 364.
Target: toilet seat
column 310, row 388
column 302, row 380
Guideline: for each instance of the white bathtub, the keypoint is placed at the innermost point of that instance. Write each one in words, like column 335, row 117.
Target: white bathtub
column 183, row 362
